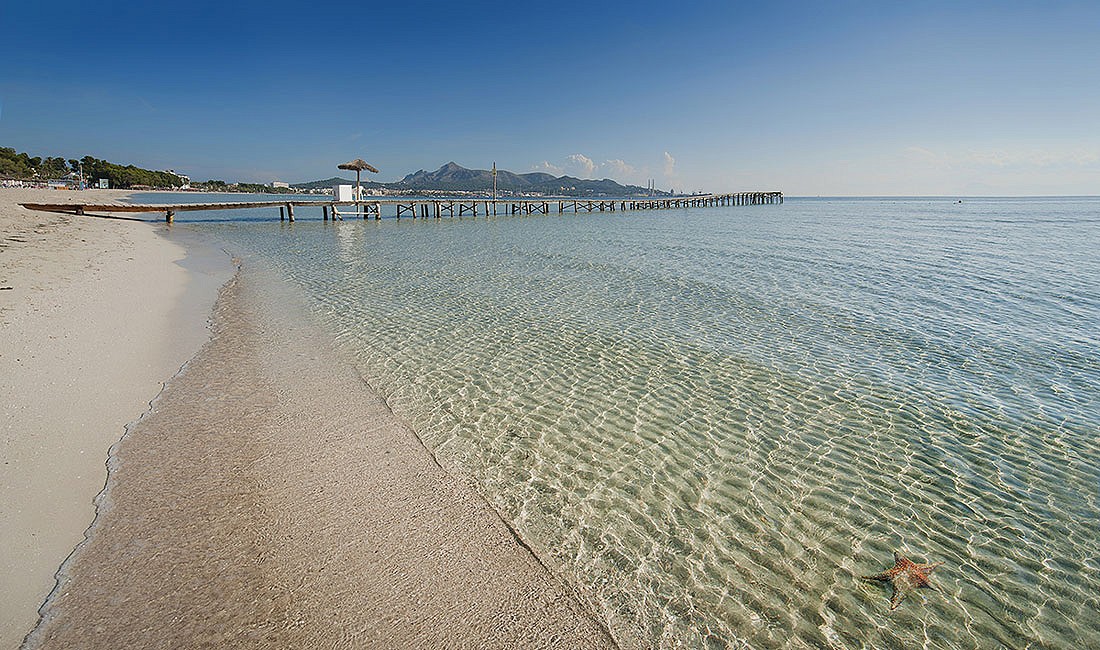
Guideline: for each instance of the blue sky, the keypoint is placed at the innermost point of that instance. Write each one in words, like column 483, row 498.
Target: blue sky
column 812, row 98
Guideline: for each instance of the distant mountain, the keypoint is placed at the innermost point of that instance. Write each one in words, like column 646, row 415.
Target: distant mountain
column 328, row 183
column 453, row 177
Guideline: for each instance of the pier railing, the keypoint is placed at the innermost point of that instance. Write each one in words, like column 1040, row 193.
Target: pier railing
column 432, row 208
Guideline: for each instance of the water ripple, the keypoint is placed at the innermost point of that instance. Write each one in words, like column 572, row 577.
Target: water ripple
column 719, row 419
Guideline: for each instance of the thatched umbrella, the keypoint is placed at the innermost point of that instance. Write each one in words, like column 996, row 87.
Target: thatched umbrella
column 359, row 165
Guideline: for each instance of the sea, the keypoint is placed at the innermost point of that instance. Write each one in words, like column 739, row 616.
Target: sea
column 715, row 421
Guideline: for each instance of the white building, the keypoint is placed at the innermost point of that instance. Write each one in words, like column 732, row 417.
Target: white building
column 185, row 181
column 278, row 184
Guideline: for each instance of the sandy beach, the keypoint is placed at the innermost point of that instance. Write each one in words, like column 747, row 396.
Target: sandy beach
column 268, row 497
column 91, row 325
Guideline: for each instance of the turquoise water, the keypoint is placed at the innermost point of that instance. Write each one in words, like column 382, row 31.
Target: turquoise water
column 717, row 419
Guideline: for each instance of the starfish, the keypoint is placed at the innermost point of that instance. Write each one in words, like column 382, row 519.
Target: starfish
column 905, row 576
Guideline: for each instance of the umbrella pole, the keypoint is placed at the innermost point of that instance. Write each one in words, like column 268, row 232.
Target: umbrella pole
column 358, row 193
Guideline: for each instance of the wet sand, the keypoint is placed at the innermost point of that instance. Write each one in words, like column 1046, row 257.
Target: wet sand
column 95, row 315
column 271, row 499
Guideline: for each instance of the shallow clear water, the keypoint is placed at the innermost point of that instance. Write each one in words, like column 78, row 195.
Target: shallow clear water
column 718, row 419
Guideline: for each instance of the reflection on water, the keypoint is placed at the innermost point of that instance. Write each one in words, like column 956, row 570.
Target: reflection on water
column 718, row 419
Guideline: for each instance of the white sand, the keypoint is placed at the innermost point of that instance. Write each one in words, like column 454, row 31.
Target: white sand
column 89, row 331
column 272, row 500
column 269, row 499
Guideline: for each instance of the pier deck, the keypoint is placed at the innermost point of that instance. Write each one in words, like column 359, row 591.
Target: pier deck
column 426, row 207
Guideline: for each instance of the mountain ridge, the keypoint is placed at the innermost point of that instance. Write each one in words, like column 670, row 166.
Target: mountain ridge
column 452, row 177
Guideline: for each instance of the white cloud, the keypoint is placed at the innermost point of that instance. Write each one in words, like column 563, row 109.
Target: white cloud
column 547, row 168
column 581, row 165
column 920, row 153
column 671, row 176
column 618, row 169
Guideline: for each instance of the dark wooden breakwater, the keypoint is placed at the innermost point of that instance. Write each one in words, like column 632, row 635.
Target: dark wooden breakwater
column 431, row 208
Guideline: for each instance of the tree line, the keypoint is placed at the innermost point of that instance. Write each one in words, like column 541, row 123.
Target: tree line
column 213, row 185
column 22, row 166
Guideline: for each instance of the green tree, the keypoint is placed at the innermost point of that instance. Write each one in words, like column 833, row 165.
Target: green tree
column 23, row 166
column 15, row 165
column 53, row 168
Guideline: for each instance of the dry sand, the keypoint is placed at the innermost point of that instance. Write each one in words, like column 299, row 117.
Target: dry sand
column 89, row 331
column 271, row 499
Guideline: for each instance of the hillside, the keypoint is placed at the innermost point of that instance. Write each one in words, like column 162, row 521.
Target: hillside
column 453, row 177
column 328, row 183
column 22, row 166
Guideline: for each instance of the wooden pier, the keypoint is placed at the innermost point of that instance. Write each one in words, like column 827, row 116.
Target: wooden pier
column 425, row 208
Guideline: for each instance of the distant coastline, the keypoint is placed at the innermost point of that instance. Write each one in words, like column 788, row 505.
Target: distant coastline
column 20, row 169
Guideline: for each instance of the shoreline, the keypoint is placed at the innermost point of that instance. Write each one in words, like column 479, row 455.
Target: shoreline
column 297, row 511
column 99, row 315
column 213, row 477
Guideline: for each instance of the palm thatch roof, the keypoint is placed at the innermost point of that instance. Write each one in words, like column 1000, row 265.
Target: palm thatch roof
column 358, row 165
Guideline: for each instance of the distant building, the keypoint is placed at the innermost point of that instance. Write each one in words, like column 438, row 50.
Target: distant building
column 185, row 181
column 280, row 184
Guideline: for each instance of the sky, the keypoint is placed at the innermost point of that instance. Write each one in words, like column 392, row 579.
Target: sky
column 817, row 98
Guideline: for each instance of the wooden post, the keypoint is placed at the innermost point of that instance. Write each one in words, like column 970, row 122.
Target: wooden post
column 282, row 217
column 169, row 216
column 290, row 212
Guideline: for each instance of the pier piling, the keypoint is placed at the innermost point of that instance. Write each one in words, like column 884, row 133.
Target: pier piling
column 434, row 207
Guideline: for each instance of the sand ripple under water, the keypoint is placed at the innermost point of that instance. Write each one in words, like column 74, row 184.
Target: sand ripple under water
column 719, row 419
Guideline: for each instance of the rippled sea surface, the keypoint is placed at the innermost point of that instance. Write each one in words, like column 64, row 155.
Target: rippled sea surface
column 717, row 420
